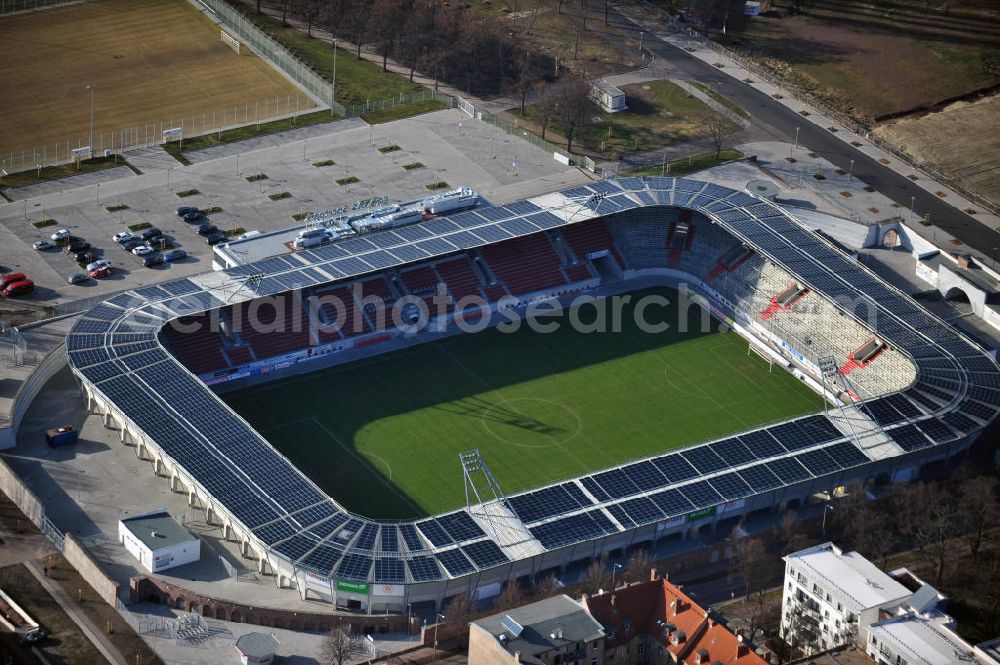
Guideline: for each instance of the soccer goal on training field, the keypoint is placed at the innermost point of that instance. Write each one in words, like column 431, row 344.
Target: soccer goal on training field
column 229, row 41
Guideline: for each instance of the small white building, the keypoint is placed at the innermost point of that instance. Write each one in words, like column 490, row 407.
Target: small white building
column 158, row 541
column 609, row 97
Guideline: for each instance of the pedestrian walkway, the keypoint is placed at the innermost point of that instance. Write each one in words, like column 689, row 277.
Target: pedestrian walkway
column 82, row 621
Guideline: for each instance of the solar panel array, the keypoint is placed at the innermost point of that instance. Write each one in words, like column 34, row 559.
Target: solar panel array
column 115, row 347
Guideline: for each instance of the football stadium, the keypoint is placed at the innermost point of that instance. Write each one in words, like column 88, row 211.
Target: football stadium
column 380, row 419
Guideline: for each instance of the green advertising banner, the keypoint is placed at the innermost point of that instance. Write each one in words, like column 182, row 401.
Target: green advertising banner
column 353, row 587
column 701, row 514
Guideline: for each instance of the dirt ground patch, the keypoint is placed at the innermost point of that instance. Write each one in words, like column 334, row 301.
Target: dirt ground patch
column 881, row 58
column 961, row 141
column 154, row 61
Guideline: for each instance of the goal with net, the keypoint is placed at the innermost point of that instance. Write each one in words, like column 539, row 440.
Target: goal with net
column 229, row 40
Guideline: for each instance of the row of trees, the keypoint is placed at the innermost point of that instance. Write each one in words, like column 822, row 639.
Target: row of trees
column 481, row 52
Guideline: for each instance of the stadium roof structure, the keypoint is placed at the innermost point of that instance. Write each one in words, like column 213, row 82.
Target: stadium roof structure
column 116, row 350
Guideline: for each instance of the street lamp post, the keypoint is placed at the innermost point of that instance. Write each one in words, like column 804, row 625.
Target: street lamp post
column 409, row 622
column 614, row 569
column 90, row 141
column 796, row 138
column 913, row 202
column 850, row 171
column 641, row 35
column 436, row 623
column 333, row 84
column 826, row 508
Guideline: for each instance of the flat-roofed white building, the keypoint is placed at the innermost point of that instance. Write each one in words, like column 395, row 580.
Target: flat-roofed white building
column 158, row 541
column 841, row 593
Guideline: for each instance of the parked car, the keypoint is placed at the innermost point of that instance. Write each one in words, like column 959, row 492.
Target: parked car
column 184, row 210
column 21, row 288
column 61, row 234
column 149, row 234
column 100, row 272
column 153, row 259
column 207, row 229
column 100, row 263
column 43, row 244
column 12, row 277
column 132, row 243
column 215, row 237
column 122, row 236
column 78, row 278
column 83, row 255
column 78, row 245
column 174, row 254
column 142, row 250
column 193, row 216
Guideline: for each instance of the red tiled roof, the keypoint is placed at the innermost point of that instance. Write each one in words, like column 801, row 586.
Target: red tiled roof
column 660, row 610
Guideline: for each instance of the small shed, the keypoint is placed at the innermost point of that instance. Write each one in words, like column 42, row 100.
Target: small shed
column 257, row 648
column 158, row 541
column 609, row 97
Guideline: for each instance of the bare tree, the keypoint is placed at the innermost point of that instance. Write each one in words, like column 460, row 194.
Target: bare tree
column 546, row 106
column 801, row 630
column 930, row 516
column 459, row 609
column 718, row 127
column 336, row 648
column 384, row 22
column 637, row 567
column 548, row 587
column 749, row 565
column 595, row 575
column 574, row 107
column 980, row 510
column 510, row 597
column 523, row 79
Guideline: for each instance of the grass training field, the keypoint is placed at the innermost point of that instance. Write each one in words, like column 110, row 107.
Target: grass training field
column 383, row 435
column 151, row 61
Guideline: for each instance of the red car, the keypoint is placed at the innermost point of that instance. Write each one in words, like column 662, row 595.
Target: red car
column 10, row 278
column 19, row 288
column 101, row 272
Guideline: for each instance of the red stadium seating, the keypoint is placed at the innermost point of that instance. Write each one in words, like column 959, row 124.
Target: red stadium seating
column 201, row 349
column 525, row 264
column 457, row 273
column 591, row 237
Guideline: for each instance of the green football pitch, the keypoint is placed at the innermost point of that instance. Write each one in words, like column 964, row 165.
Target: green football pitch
column 383, row 435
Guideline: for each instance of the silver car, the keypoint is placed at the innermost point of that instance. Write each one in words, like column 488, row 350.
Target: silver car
column 42, row 245
column 78, row 277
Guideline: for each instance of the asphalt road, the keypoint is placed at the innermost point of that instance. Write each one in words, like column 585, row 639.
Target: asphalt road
column 780, row 122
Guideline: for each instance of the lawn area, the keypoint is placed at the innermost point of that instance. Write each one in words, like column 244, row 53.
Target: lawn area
column 405, row 111
column 34, row 176
column 881, row 59
column 659, row 114
column 65, row 638
column 691, row 164
column 383, row 435
column 358, row 81
column 178, row 148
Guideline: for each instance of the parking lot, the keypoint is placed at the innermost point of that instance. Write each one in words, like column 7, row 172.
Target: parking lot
column 261, row 189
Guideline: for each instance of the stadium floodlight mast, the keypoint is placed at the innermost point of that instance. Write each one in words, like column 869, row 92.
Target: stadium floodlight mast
column 90, row 140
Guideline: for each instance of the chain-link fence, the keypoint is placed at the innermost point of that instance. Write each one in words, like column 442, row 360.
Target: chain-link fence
column 269, row 49
column 11, row 6
column 844, row 120
column 107, row 142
